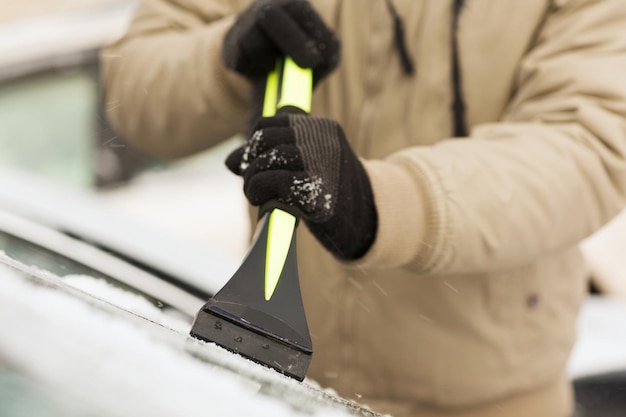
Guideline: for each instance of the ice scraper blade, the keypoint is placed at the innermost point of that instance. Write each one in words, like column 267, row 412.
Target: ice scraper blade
column 259, row 312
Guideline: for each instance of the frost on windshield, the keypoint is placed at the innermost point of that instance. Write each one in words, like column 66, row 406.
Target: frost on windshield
column 115, row 366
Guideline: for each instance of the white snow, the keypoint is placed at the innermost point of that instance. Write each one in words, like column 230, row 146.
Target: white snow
column 115, row 367
column 605, row 253
column 601, row 343
column 196, row 199
column 250, row 150
column 127, row 300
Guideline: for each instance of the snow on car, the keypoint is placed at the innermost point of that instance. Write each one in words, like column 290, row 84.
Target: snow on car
column 116, row 355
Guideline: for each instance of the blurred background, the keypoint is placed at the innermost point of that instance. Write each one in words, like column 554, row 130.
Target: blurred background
column 52, row 125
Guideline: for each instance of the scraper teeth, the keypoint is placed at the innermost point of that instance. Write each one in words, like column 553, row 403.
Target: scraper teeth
column 282, row 357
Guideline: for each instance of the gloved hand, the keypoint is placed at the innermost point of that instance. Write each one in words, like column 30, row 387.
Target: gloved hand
column 271, row 29
column 306, row 162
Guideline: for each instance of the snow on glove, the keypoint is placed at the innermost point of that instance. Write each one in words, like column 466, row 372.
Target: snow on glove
column 306, row 162
column 271, row 29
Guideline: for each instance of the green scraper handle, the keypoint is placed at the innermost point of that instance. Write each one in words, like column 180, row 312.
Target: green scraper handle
column 262, row 319
column 288, row 86
column 288, row 89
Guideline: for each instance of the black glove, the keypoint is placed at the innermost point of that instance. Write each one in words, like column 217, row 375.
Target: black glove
column 271, row 29
column 306, row 162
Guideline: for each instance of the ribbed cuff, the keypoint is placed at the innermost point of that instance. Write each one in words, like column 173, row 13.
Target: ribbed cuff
column 401, row 219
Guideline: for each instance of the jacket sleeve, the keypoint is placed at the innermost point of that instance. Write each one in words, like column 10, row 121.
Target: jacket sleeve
column 164, row 85
column 545, row 176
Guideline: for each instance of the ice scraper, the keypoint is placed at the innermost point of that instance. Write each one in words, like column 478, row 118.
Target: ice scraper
column 259, row 312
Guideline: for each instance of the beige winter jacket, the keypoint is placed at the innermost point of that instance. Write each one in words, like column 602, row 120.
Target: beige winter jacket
column 466, row 303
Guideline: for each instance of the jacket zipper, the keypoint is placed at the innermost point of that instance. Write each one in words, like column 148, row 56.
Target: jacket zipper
column 458, row 101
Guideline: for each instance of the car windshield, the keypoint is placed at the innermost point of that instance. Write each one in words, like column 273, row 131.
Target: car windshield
column 71, row 354
column 22, row 396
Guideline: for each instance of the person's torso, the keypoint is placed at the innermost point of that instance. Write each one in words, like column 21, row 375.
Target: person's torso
column 448, row 340
column 394, row 334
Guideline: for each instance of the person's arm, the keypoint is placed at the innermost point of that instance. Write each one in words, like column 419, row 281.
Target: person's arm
column 165, row 86
column 551, row 172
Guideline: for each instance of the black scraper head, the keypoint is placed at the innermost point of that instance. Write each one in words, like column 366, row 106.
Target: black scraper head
column 241, row 319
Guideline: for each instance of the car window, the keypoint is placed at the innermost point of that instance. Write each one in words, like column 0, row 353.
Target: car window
column 48, row 124
column 35, row 255
column 46, row 259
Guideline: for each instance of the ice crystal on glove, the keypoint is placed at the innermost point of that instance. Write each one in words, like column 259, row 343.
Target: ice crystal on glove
column 250, row 150
column 309, row 195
